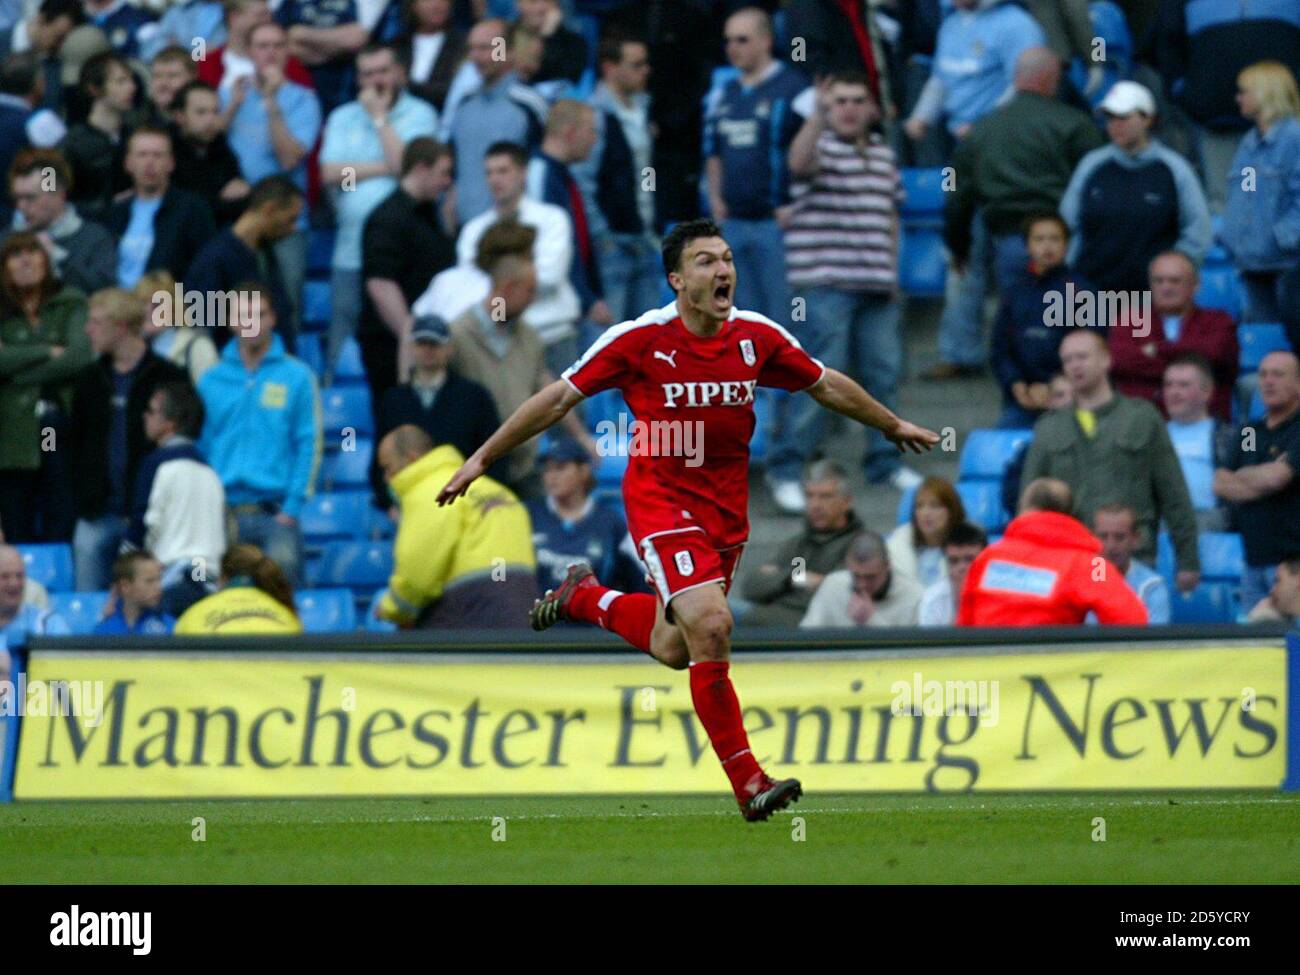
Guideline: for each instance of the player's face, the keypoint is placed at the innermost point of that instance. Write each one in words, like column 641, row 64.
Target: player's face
column 706, row 277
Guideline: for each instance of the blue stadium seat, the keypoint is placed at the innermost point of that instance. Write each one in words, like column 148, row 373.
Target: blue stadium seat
column 347, row 470
column 320, row 250
column 1220, row 289
column 326, row 610
column 765, row 407
column 355, row 565
column 988, row 452
column 49, row 564
column 315, row 304
column 1258, row 340
column 923, row 189
column 346, row 407
column 82, row 610
column 923, row 266
column 983, row 503
column 349, row 370
column 1256, row 409
column 1222, row 556
column 606, row 406
column 1212, row 602
column 613, row 466
column 308, row 349
column 377, row 524
column 334, row 515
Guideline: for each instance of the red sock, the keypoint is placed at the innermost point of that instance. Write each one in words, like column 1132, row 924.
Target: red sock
column 719, row 712
column 629, row 614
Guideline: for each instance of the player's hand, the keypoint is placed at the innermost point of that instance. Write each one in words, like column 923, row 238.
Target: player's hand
column 908, row 436
column 1187, row 581
column 469, row 472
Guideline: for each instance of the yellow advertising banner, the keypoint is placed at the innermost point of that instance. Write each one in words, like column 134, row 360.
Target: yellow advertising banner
column 236, row 725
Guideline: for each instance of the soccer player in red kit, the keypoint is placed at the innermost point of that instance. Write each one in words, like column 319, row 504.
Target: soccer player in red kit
column 688, row 370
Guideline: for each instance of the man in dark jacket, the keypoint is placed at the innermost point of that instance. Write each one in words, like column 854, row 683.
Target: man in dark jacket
column 158, row 225
column 205, row 163
column 107, row 431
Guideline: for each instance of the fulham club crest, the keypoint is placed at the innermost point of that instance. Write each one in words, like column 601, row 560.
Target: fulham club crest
column 747, row 351
column 685, row 565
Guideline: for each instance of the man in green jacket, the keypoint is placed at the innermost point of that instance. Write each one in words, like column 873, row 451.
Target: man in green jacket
column 1111, row 448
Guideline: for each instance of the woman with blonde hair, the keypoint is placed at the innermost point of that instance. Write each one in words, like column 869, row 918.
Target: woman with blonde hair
column 187, row 346
column 254, row 598
column 1261, row 223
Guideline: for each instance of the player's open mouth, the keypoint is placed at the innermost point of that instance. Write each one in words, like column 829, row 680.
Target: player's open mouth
column 722, row 292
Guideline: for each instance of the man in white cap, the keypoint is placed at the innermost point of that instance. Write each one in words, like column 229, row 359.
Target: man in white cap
column 1132, row 199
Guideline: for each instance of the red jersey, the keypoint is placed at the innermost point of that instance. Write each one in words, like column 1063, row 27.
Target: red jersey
column 693, row 401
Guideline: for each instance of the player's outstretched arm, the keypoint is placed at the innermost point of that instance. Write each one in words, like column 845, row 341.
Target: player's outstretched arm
column 539, row 412
column 838, row 392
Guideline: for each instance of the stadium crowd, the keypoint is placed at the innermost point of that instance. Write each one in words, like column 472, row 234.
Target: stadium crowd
column 273, row 270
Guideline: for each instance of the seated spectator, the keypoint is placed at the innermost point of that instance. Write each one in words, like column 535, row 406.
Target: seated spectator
column 83, row 252
column 178, row 506
column 184, row 21
column 244, row 251
column 107, row 432
column 569, row 525
column 44, row 31
column 433, row 48
column 205, row 164
column 1026, row 343
column 1201, row 442
column 43, row 345
column 781, row 588
column 1043, row 571
column 158, row 225
column 262, row 433
column 254, row 598
column 1259, row 477
column 939, row 601
column 170, row 70
column 866, row 592
column 1261, row 222
column 188, row 345
column 136, row 598
column 132, row 30
column 23, row 122
column 564, row 52
column 20, row 620
column 448, row 407
column 1140, row 350
column 96, row 148
column 467, row 566
column 403, row 246
column 1115, row 448
column 916, row 548
column 1283, row 600
column 1132, row 199
column 1115, row 526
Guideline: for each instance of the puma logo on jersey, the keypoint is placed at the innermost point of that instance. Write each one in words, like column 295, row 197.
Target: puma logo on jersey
column 668, row 357
column 732, row 393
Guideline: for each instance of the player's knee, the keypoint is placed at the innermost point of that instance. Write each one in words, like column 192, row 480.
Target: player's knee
column 712, row 632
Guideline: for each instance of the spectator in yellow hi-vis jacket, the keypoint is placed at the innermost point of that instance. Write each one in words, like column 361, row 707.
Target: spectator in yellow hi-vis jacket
column 255, row 598
column 459, row 565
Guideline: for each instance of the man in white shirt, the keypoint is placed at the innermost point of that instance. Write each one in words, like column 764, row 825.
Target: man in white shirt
column 866, row 592
column 939, row 603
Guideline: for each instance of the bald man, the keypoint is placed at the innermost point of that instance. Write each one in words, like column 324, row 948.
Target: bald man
column 20, row 619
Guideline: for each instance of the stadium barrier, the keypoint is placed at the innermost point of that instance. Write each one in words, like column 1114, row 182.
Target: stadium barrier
column 1186, row 707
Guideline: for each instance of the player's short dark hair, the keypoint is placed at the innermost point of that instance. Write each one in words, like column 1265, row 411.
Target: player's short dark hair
column 276, row 188
column 182, row 96
column 183, row 407
column 1043, row 216
column 965, row 533
column 517, row 153
column 676, row 240
column 423, row 151
column 18, row 73
column 1196, row 361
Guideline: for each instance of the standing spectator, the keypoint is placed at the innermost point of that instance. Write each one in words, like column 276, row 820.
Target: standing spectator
column 132, row 30
column 781, row 588
column 1132, row 199
column 1026, row 345
column 84, row 254
column 444, row 404
column 108, row 439
column 158, row 225
column 19, row 619
column 1259, row 477
column 178, row 508
column 842, row 37
column 1115, row 448
column 916, row 548
column 1140, row 350
column 620, row 210
column 95, row 148
column 1043, row 572
column 553, row 311
column 564, row 52
column 205, row 164
column 1015, row 163
column 23, row 122
column 186, row 21
column 44, row 32
column 1261, row 223
column 245, row 250
column 432, row 47
column 226, row 64
column 402, row 247
column 866, row 592
column 253, row 598
column 136, row 596
column 938, row 605
column 458, row 565
column 1115, row 526
column 43, row 344
column 178, row 338
column 843, row 260
column 361, row 158
column 501, row 110
column 747, row 133
column 326, row 36
column 262, row 434
column 170, row 70
column 1201, row 442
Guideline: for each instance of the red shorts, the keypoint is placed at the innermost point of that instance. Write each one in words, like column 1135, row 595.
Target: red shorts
column 684, row 559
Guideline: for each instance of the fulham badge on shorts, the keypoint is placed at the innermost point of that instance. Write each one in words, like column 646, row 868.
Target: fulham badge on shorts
column 747, row 351
column 685, row 565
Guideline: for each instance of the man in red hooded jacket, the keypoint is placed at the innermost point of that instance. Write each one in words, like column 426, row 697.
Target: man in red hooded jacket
column 1047, row 570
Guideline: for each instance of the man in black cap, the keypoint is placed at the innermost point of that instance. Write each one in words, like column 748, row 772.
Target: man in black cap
column 448, row 407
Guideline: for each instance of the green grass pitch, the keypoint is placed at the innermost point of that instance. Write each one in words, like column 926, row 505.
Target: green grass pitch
column 1150, row 838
